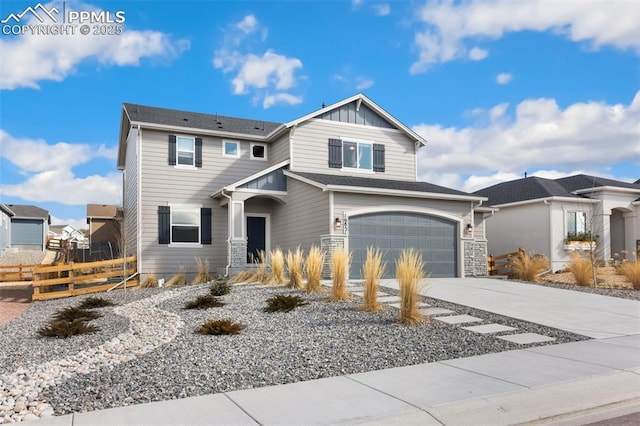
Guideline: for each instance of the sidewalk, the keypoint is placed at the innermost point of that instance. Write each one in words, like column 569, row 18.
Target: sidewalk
column 574, row 383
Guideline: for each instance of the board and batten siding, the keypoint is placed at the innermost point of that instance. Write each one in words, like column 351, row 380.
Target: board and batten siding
column 130, row 204
column 302, row 220
column 348, row 202
column 163, row 184
column 310, row 148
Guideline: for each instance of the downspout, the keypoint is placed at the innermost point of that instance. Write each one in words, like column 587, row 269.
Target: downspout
column 226, row 268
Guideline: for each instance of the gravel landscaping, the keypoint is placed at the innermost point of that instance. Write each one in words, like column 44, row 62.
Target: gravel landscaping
column 321, row 339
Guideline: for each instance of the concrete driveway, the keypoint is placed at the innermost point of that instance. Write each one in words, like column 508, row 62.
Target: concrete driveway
column 587, row 314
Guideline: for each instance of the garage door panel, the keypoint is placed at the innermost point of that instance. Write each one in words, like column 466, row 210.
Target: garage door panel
column 433, row 237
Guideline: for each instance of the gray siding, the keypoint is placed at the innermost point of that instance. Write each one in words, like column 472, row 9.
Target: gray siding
column 364, row 116
column 5, row 231
column 478, row 227
column 279, row 150
column 27, row 234
column 163, row 184
column 131, row 190
column 310, row 148
column 302, row 220
column 525, row 226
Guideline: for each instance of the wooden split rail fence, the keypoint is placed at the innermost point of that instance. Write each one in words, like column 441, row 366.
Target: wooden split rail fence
column 50, row 282
column 17, row 272
column 501, row 265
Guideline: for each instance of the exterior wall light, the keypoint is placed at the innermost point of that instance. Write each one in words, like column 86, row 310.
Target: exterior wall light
column 469, row 229
column 337, row 223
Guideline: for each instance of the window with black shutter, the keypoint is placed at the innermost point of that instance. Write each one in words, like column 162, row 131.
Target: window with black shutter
column 335, row 153
column 172, row 150
column 164, row 224
column 205, row 225
column 378, row 157
column 184, row 224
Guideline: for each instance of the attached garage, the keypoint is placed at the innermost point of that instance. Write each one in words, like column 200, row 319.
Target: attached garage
column 434, row 237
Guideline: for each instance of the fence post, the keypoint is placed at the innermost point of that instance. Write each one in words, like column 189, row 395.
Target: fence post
column 35, row 285
column 492, row 264
column 71, row 276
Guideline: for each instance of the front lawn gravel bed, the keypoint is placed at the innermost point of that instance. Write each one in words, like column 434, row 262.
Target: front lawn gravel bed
column 321, row 339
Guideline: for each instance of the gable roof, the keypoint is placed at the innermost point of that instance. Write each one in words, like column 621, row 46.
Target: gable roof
column 529, row 188
column 22, row 211
column 102, row 211
column 579, row 182
column 196, row 120
column 361, row 99
column 387, row 186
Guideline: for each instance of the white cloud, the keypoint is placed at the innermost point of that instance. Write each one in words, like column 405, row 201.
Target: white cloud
column 280, row 98
column 448, row 26
column 382, row 9
column 504, row 78
column 248, row 24
column 477, row 54
column 29, row 59
column 270, row 69
column 256, row 74
column 49, row 172
column 539, row 136
column 75, row 222
column 363, row 83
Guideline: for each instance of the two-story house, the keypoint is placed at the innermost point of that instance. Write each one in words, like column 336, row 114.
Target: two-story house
column 224, row 188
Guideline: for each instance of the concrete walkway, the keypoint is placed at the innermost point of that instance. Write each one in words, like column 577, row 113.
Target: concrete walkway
column 574, row 383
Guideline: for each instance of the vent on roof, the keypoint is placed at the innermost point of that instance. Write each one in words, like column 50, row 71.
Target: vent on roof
column 185, row 119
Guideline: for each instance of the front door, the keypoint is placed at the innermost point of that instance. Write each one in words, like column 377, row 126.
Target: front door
column 256, row 237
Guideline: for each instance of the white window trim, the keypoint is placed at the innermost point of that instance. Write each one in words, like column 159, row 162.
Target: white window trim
column 264, row 145
column 193, row 142
column 174, row 207
column 224, row 153
column 357, row 142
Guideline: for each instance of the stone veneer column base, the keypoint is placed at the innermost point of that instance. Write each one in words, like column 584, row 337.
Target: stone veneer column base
column 238, row 253
column 475, row 258
column 328, row 244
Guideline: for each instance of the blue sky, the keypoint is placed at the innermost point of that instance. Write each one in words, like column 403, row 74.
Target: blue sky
column 496, row 87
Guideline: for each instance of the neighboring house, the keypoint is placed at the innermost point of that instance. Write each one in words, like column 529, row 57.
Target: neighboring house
column 104, row 228
column 5, row 227
column 545, row 215
column 29, row 227
column 223, row 188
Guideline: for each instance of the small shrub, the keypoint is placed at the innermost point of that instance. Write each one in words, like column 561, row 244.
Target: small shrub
column 73, row 313
column 582, row 270
column 95, row 302
column 277, row 267
column 409, row 272
column 339, row 269
column 295, row 261
column 180, row 278
column 64, row 329
column 204, row 302
column 220, row 288
column 220, row 327
column 150, row 282
column 527, row 268
column 631, row 270
column 372, row 271
column 313, row 268
column 203, row 276
column 283, row 303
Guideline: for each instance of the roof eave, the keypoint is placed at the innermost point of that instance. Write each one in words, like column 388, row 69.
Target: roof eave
column 547, row 199
column 200, row 131
column 403, row 193
column 607, row 188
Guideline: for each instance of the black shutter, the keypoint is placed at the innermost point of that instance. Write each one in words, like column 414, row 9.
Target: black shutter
column 172, row 150
column 205, row 225
column 198, row 152
column 164, row 224
column 335, row 153
column 378, row 157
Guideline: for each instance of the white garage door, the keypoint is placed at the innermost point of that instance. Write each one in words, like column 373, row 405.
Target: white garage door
column 434, row 237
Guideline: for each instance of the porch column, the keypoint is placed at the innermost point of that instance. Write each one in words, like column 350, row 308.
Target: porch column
column 237, row 239
column 631, row 235
column 603, row 230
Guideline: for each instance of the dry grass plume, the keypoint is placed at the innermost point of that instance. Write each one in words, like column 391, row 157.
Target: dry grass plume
column 295, row 262
column 410, row 273
column 313, row 268
column 203, row 276
column 582, row 270
column 340, row 263
column 372, row 271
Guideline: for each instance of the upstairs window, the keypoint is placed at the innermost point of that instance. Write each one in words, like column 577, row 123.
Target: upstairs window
column 258, row 151
column 358, row 155
column 185, row 151
column 230, row 149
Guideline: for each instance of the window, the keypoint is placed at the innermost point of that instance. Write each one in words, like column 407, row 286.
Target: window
column 184, row 225
column 186, row 150
column 357, row 155
column 576, row 222
column 258, row 151
column 230, row 149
